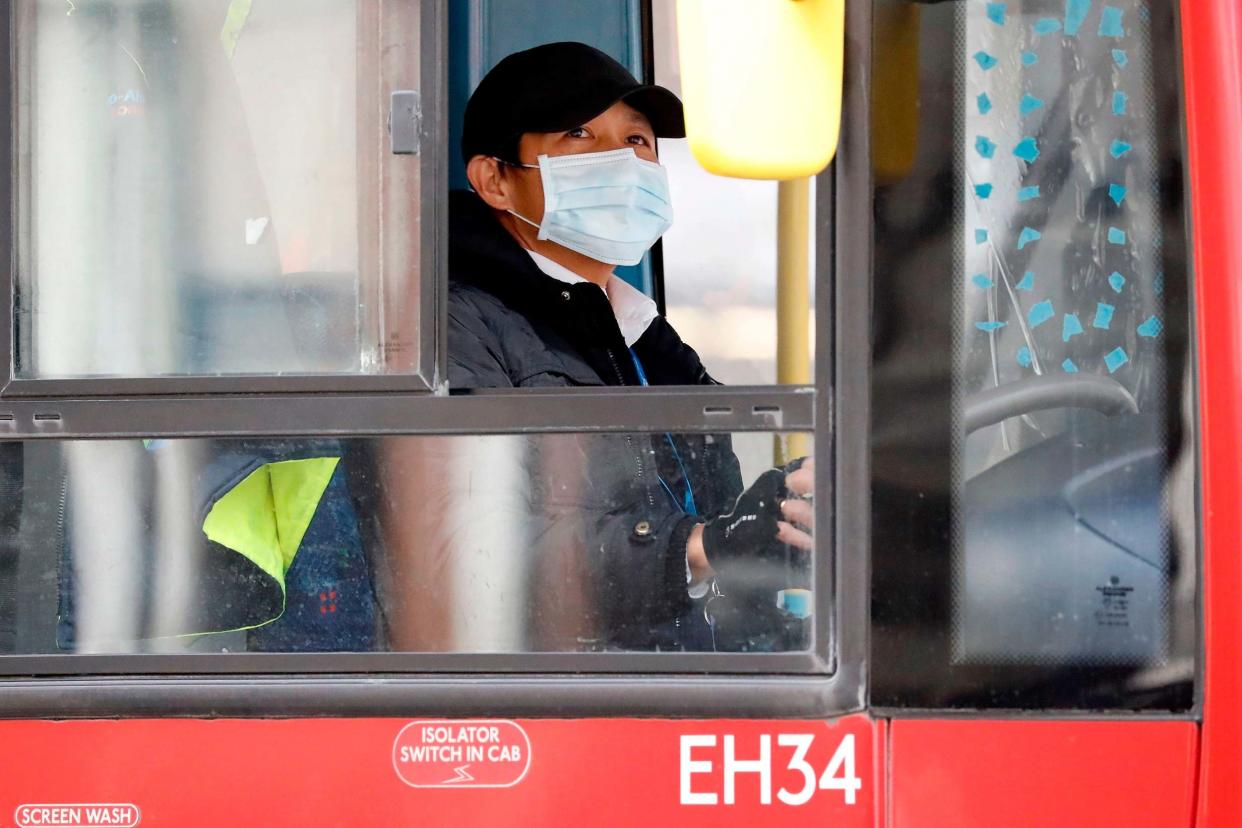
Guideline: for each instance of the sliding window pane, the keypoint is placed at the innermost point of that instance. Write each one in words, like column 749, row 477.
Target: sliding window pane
column 201, row 186
column 507, row 543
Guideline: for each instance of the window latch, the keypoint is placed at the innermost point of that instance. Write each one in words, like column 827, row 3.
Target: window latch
column 405, row 119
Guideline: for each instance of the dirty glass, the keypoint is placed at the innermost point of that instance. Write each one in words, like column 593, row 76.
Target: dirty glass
column 554, row 543
column 1031, row 376
column 202, row 185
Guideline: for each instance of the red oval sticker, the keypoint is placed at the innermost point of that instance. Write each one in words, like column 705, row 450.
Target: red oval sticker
column 461, row 753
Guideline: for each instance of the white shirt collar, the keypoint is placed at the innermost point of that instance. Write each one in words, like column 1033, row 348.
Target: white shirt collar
column 634, row 310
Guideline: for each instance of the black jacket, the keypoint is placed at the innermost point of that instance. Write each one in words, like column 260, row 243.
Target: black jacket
column 511, row 325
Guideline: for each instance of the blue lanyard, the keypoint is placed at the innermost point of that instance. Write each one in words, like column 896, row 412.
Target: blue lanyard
column 687, row 503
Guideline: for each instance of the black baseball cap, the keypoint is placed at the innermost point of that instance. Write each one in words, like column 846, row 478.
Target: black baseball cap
column 554, row 87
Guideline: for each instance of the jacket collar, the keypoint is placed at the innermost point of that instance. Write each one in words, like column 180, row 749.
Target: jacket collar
column 483, row 254
column 633, row 309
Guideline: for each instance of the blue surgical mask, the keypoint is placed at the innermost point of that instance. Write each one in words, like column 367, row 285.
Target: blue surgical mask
column 610, row 206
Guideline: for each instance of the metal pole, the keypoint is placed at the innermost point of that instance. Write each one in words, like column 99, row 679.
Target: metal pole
column 793, row 299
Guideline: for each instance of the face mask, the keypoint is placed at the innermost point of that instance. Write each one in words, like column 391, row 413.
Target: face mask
column 610, row 206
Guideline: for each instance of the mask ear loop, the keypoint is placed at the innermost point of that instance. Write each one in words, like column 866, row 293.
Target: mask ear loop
column 523, row 218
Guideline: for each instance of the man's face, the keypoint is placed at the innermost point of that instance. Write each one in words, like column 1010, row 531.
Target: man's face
column 617, row 127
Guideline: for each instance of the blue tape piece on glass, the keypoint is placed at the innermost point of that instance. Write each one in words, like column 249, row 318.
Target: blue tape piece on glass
column 1069, row 367
column 1103, row 316
column 1115, row 358
column 981, row 236
column 1027, row 149
column 1110, row 22
column 982, row 281
column 990, row 326
column 1029, row 58
column 1119, row 148
column 1116, row 235
column 1029, row 104
column 1120, row 58
column 985, row 60
column 1070, row 327
column 1028, row 193
column 1040, row 313
column 1119, row 103
column 1024, row 357
column 1028, row 281
column 1117, row 193
column 996, row 13
column 1047, row 25
column 1151, row 327
column 1075, row 14
column 984, row 147
column 1028, row 235
column 985, row 103
column 983, row 190
column 1116, row 281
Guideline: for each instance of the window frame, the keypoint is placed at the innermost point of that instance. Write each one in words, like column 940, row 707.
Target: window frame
column 827, row 680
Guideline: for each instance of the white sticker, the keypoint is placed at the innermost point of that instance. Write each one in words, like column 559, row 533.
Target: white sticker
column 255, row 228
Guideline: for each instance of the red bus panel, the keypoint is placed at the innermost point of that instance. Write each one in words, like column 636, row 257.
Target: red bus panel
column 982, row 774
column 1211, row 39
column 485, row 772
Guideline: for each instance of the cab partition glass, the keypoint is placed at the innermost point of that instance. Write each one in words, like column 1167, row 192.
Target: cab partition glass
column 201, row 187
column 1033, row 451
column 485, row 544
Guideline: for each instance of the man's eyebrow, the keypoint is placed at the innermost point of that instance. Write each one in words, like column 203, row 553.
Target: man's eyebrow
column 639, row 118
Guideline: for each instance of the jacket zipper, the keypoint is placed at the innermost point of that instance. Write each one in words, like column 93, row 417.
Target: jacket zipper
column 61, row 543
column 641, row 466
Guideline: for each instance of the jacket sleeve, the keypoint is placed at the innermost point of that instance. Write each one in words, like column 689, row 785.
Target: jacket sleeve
column 475, row 353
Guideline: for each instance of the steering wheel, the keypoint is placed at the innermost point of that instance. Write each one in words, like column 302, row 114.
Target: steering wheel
column 1104, row 394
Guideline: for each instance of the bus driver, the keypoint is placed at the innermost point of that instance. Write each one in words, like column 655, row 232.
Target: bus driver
column 560, row 150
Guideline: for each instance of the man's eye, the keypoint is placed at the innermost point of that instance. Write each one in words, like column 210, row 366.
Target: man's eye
column 641, row 140
column 577, row 132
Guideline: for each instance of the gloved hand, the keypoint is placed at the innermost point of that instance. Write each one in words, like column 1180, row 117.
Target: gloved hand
column 756, row 550
column 795, row 464
column 749, row 531
column 798, row 508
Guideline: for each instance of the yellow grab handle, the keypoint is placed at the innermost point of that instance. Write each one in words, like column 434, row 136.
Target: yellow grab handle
column 761, row 84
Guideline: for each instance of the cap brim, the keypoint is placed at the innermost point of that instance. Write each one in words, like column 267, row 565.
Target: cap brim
column 661, row 107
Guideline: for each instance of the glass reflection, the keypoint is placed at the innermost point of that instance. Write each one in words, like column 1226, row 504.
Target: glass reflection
column 1065, row 300
column 191, row 183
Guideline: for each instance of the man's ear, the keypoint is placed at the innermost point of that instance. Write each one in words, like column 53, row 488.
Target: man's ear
column 487, row 179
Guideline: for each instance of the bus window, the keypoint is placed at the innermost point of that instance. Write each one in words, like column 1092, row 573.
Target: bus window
column 720, row 257
column 201, row 187
column 1032, row 374
column 377, row 527
column 500, row 544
